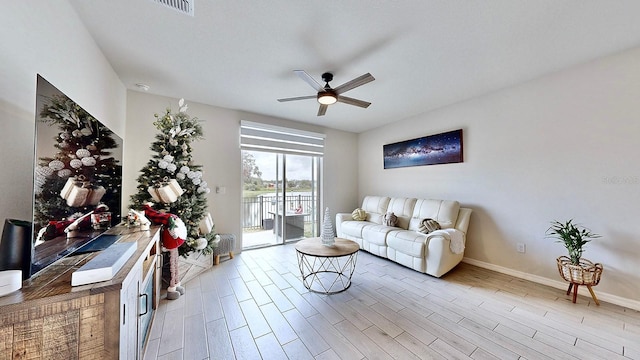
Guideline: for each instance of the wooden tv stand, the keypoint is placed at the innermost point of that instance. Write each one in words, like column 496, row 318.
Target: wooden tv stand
column 48, row 318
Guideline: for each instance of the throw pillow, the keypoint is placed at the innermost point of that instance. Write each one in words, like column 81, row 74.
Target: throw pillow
column 428, row 225
column 390, row 219
column 359, row 215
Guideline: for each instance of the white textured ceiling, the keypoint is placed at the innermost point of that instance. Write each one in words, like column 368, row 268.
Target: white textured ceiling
column 424, row 54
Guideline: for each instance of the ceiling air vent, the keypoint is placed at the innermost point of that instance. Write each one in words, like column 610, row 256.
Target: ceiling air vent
column 183, row 6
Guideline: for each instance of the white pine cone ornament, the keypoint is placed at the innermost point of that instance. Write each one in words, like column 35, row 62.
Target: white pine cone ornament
column 88, row 161
column 201, row 243
column 44, row 171
column 75, row 163
column 82, row 153
column 56, row 165
column 64, row 173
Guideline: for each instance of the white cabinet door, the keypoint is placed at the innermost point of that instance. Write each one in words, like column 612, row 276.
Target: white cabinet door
column 129, row 315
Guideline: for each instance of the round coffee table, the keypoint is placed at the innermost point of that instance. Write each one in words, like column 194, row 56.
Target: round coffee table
column 327, row 269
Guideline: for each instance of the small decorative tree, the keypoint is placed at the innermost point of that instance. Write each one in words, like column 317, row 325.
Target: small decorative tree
column 327, row 235
column 172, row 182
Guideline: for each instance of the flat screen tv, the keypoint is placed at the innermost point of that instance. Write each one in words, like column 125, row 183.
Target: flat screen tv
column 77, row 178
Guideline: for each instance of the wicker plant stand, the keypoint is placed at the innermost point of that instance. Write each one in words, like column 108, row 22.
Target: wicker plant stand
column 586, row 273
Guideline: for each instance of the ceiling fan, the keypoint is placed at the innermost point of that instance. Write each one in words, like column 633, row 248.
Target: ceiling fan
column 327, row 95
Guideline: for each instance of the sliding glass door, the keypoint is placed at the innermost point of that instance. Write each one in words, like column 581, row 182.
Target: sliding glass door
column 280, row 199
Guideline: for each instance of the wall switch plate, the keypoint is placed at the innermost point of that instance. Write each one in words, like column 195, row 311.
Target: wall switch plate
column 521, row 247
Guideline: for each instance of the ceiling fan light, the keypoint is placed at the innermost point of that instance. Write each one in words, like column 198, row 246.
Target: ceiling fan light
column 327, row 97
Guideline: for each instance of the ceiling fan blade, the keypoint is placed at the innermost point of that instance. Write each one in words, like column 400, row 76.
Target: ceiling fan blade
column 308, row 79
column 299, row 98
column 352, row 101
column 322, row 109
column 359, row 81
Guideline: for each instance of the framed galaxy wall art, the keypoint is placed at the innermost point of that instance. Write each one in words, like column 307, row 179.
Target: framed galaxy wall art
column 443, row 148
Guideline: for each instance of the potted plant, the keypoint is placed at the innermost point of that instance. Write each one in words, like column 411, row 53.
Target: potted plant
column 574, row 269
column 574, row 238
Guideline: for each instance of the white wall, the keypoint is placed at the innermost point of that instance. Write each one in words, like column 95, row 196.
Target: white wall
column 560, row 147
column 46, row 38
column 219, row 154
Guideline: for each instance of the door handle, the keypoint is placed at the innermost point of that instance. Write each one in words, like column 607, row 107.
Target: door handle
column 146, row 304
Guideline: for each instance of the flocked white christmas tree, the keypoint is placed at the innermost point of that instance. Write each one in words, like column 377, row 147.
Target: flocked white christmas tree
column 327, row 235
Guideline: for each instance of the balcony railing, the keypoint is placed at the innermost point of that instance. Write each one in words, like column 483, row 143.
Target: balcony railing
column 258, row 212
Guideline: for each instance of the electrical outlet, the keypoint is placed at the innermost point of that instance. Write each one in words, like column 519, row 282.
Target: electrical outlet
column 521, row 248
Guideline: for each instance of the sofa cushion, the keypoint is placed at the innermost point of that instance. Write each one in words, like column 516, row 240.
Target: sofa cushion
column 445, row 212
column 402, row 208
column 376, row 207
column 407, row 242
column 354, row 228
column 359, row 215
column 377, row 234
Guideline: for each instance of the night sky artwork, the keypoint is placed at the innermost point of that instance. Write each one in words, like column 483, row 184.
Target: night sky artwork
column 441, row 148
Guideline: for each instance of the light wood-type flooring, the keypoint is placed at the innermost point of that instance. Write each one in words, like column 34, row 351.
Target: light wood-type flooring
column 255, row 307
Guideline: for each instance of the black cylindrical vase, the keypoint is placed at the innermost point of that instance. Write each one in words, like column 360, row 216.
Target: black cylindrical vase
column 15, row 247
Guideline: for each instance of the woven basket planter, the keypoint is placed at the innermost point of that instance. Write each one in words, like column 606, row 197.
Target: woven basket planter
column 586, row 273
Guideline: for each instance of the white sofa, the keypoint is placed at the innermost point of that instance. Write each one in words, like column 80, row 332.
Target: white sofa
column 435, row 253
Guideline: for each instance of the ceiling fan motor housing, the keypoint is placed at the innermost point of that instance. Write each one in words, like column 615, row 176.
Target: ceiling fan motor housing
column 327, row 96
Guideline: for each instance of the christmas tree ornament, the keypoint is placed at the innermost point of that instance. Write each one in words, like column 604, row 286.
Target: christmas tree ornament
column 56, row 165
column 201, row 243
column 44, row 171
column 88, row 161
column 64, row 173
column 82, row 153
column 75, row 163
column 167, row 192
column 206, row 225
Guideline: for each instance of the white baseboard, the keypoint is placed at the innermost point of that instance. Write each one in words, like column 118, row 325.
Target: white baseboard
column 613, row 299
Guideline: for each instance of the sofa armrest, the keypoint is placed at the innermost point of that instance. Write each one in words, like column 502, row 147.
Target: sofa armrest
column 451, row 239
column 340, row 217
column 440, row 255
